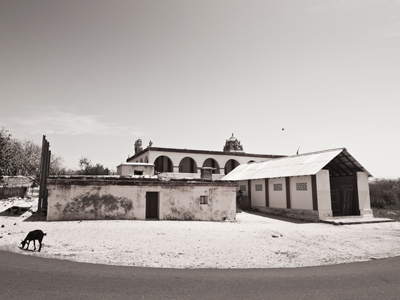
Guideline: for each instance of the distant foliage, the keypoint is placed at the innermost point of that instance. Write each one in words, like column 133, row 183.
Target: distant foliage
column 385, row 192
column 18, row 157
column 7, row 161
column 24, row 158
column 87, row 168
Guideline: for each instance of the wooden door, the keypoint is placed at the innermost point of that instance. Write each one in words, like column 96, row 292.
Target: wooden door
column 151, row 205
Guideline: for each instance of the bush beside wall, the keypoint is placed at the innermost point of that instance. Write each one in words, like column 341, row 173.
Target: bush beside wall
column 384, row 192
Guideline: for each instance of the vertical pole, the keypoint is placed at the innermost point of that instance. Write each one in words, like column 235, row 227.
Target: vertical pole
column 287, row 183
column 249, row 192
column 314, row 192
column 42, row 168
column 355, row 205
column 266, row 192
column 44, row 203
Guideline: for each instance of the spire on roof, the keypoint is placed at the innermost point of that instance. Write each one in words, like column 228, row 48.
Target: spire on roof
column 233, row 145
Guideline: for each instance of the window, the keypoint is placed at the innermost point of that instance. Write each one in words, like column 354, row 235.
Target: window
column 277, row 186
column 301, row 186
column 258, row 187
column 136, row 172
column 243, row 188
column 203, row 200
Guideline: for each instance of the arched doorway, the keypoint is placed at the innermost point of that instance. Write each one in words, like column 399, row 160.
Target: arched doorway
column 211, row 163
column 187, row 165
column 230, row 165
column 163, row 164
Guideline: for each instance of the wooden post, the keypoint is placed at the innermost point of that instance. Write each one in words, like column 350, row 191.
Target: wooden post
column 249, row 192
column 266, row 192
column 42, row 160
column 314, row 192
column 44, row 174
column 45, row 196
column 287, row 183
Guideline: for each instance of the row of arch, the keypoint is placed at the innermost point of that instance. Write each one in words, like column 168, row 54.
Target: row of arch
column 188, row 165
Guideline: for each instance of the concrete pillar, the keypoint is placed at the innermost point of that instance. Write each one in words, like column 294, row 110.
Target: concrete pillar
column 324, row 194
column 364, row 202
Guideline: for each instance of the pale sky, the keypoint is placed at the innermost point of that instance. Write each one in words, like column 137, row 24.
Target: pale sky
column 94, row 76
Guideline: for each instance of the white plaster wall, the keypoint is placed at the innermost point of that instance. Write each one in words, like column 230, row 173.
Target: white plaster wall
column 183, row 203
column 179, row 175
column 257, row 197
column 129, row 169
column 180, row 203
column 176, row 202
column 277, row 198
column 78, row 202
column 301, row 199
column 324, row 194
column 364, row 201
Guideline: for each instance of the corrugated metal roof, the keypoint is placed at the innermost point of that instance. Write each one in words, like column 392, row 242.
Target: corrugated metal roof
column 299, row 165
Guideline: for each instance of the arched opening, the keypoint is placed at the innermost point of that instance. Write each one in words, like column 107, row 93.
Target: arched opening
column 141, row 160
column 251, row 161
column 163, row 164
column 211, row 163
column 146, row 160
column 230, row 165
column 187, row 165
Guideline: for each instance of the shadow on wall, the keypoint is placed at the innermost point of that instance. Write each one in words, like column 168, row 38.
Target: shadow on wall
column 104, row 206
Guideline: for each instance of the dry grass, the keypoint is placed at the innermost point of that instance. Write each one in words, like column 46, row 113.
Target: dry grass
column 392, row 212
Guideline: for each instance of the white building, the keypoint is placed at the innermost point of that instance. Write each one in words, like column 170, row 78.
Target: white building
column 318, row 185
column 139, row 198
column 190, row 162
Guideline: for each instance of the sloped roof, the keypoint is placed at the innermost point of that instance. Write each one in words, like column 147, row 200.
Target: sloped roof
column 338, row 161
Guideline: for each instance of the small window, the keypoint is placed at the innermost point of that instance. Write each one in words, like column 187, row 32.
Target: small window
column 203, row 200
column 243, row 188
column 301, row 186
column 277, row 186
column 258, row 187
column 135, row 172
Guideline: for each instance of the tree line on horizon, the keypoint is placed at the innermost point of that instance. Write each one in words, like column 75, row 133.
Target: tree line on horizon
column 23, row 157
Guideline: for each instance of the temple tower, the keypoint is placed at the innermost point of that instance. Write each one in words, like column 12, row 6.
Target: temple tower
column 233, row 145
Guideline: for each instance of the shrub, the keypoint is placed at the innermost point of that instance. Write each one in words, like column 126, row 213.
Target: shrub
column 384, row 192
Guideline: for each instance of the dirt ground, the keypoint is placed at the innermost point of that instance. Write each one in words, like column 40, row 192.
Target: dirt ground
column 253, row 241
